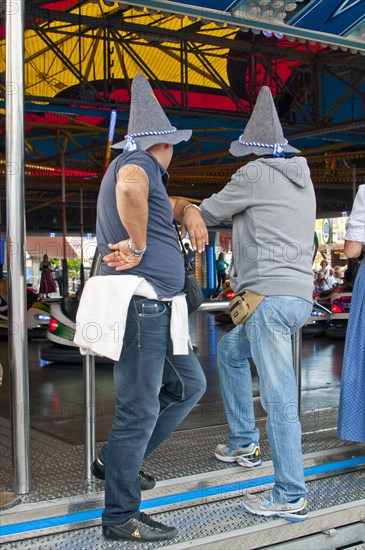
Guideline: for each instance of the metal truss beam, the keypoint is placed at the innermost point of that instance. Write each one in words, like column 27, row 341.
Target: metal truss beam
column 217, row 78
column 64, row 59
column 145, row 68
column 117, row 22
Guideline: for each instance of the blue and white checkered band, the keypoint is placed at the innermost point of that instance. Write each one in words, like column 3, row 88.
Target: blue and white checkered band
column 278, row 147
column 131, row 145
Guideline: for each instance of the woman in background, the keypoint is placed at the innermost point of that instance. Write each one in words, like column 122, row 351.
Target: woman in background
column 47, row 284
column 221, row 266
column 351, row 421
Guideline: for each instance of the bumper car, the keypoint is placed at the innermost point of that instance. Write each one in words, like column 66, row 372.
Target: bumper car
column 340, row 309
column 38, row 317
column 224, row 296
column 62, row 327
column 316, row 325
column 61, row 332
column 318, row 321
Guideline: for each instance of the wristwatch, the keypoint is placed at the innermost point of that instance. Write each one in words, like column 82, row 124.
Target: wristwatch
column 134, row 250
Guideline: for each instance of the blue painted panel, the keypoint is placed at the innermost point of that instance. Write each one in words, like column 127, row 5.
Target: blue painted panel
column 337, row 17
column 2, row 251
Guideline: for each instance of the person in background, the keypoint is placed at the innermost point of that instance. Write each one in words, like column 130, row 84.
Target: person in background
column 221, row 267
column 320, row 282
column 324, row 268
column 47, row 284
column 158, row 379
column 331, row 280
column 273, row 205
column 58, row 278
column 351, row 419
column 322, row 285
column 337, row 275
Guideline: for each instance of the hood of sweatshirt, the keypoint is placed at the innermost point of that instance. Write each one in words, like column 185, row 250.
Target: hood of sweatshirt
column 294, row 169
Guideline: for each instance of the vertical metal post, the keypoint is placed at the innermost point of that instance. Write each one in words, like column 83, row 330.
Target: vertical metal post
column 297, row 362
column 353, row 182
column 64, row 220
column 82, row 225
column 15, row 237
column 89, row 410
column 64, row 226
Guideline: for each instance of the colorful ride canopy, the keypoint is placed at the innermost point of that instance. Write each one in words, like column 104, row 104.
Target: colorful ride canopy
column 206, row 62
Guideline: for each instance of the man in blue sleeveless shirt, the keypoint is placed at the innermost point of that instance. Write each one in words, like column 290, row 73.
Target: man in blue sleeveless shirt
column 158, row 379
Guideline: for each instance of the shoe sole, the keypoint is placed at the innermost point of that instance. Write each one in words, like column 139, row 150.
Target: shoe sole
column 232, row 459
column 225, row 458
column 290, row 516
column 163, row 536
column 248, row 464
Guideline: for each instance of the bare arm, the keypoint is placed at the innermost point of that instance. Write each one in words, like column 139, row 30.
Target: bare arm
column 353, row 249
column 192, row 222
column 131, row 193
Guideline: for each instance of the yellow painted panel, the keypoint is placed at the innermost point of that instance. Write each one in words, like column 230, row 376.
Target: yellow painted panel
column 47, row 75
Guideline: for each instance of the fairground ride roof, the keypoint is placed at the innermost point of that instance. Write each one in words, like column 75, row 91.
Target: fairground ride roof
column 206, row 62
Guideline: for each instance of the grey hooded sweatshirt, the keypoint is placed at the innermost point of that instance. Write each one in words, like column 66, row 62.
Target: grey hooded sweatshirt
column 273, row 206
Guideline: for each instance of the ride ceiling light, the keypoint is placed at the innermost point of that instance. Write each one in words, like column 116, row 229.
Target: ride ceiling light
column 38, row 170
column 267, row 9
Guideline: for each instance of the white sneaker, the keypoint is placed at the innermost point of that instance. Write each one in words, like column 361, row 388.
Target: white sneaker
column 248, row 457
column 263, row 504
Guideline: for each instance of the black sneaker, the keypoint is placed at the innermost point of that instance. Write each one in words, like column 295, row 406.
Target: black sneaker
column 142, row 529
column 146, row 481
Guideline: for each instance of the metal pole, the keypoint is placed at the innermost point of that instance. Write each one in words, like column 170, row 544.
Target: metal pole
column 89, row 411
column 297, row 362
column 82, row 223
column 64, row 222
column 15, row 236
column 353, row 182
column 64, row 227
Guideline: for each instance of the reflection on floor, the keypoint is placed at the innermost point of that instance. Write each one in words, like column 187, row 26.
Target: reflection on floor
column 56, row 390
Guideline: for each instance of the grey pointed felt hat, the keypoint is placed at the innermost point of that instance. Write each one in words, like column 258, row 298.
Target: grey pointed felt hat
column 263, row 134
column 148, row 124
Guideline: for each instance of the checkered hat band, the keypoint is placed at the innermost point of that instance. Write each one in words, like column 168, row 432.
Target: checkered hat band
column 270, row 145
column 131, row 145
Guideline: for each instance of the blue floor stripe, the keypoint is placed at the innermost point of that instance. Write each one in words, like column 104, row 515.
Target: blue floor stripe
column 177, row 498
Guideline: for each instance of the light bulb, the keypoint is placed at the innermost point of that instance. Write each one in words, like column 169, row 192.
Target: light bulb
column 268, row 13
column 277, row 4
column 254, row 10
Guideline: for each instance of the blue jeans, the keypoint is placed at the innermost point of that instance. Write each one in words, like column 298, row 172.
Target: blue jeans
column 155, row 390
column 266, row 337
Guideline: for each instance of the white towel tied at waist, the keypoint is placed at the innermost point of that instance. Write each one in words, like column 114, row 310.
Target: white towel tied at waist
column 102, row 314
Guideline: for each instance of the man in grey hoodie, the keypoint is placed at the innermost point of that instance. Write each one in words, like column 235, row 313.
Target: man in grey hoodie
column 272, row 203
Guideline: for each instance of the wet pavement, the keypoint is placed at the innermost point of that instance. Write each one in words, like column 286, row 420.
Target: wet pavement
column 56, row 389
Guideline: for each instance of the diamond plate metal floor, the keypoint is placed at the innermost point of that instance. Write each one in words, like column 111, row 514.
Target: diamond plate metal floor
column 58, row 467
column 217, row 518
